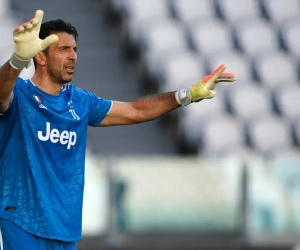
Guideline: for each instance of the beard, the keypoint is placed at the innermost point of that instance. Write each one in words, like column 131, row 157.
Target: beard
column 57, row 74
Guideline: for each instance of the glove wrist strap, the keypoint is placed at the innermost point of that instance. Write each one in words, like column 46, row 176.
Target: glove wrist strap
column 18, row 63
column 183, row 97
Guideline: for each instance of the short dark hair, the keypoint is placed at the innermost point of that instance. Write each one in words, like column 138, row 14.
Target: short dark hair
column 56, row 26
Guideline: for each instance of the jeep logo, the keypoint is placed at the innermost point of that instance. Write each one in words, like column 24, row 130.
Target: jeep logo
column 64, row 137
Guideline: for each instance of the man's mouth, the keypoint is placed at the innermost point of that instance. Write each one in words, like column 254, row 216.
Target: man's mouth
column 70, row 69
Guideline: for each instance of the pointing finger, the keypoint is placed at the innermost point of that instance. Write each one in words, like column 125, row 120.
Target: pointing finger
column 218, row 71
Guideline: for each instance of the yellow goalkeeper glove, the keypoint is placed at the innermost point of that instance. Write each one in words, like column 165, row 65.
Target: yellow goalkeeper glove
column 27, row 41
column 204, row 88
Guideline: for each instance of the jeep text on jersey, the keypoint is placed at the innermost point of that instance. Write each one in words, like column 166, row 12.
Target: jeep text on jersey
column 65, row 137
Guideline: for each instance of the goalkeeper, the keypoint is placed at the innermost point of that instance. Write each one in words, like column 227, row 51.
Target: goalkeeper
column 43, row 128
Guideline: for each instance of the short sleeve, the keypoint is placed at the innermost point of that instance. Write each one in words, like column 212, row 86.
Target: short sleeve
column 98, row 110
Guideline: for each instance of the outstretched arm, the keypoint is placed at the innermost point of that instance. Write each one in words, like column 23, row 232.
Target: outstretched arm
column 144, row 109
column 152, row 107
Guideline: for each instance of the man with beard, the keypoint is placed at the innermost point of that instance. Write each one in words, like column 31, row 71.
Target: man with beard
column 43, row 128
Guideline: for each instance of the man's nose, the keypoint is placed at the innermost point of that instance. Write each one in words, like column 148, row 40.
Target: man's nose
column 73, row 55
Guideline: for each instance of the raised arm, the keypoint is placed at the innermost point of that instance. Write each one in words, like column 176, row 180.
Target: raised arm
column 27, row 45
column 8, row 77
column 152, row 107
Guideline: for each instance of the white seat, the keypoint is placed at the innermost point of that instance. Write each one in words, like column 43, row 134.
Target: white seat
column 287, row 100
column 248, row 100
column 158, row 40
column 155, row 62
column 268, row 132
column 180, row 68
column 209, row 35
column 190, row 10
column 290, row 34
column 192, row 118
column 146, row 9
column 221, row 132
column 275, row 68
column 163, row 36
column 236, row 62
column 140, row 14
column 235, row 10
column 255, row 35
column 278, row 10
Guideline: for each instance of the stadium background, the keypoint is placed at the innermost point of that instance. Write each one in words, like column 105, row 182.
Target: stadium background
column 222, row 174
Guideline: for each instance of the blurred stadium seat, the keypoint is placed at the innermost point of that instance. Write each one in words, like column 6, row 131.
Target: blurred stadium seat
column 247, row 100
column 158, row 37
column 273, row 68
column 290, row 35
column 287, row 100
column 258, row 40
column 278, row 10
column 179, row 68
column 136, row 10
column 142, row 13
column 234, row 11
column 187, row 11
column 255, row 35
column 193, row 117
column 209, row 35
column 268, row 133
column 219, row 133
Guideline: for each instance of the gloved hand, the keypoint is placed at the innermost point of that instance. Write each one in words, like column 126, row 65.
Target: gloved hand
column 204, row 88
column 27, row 41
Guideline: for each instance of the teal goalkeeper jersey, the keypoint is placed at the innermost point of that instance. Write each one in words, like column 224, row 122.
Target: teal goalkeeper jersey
column 42, row 157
